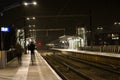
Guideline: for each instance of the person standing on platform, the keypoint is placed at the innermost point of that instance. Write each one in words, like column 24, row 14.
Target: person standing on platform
column 28, row 48
column 19, row 50
column 32, row 49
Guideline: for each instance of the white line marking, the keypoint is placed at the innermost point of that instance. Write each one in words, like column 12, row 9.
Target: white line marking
column 59, row 78
column 39, row 69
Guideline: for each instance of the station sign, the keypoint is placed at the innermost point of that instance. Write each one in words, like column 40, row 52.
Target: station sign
column 5, row 29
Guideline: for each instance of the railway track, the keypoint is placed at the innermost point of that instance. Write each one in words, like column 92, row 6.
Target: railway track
column 66, row 71
column 104, row 66
column 70, row 68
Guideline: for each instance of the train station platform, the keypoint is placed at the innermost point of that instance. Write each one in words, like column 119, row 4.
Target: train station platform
column 115, row 55
column 40, row 70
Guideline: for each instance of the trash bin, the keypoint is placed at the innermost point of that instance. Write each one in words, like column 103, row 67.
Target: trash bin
column 3, row 59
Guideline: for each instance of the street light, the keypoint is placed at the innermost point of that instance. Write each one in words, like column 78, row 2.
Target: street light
column 31, row 18
column 100, row 28
column 116, row 23
column 35, row 3
column 31, row 26
column 30, row 3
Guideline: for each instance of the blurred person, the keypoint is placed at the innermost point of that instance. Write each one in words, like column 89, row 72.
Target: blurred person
column 32, row 51
column 28, row 48
column 19, row 50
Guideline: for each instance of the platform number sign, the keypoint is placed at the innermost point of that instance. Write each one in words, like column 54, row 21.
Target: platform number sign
column 5, row 29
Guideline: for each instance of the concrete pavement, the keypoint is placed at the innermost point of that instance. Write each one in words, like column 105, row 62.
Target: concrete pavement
column 40, row 70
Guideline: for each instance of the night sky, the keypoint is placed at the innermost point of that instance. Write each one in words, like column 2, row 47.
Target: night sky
column 54, row 14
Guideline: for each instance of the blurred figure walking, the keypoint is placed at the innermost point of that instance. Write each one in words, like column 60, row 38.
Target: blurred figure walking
column 19, row 50
column 32, row 49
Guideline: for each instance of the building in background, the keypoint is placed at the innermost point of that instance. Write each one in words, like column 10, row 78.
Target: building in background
column 71, row 42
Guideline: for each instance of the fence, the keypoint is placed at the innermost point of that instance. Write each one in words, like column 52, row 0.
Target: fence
column 106, row 48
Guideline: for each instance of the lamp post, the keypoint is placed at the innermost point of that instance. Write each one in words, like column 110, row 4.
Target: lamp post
column 117, row 24
column 100, row 38
column 91, row 33
column 25, row 36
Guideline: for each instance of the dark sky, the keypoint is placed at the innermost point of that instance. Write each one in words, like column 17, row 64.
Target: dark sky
column 104, row 12
column 101, row 9
column 64, row 14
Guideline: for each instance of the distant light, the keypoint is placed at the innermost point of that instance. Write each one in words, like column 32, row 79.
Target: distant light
column 119, row 23
column 63, row 42
column 5, row 29
column 115, row 38
column 25, row 3
column 88, row 31
column 28, row 18
column 34, row 3
column 1, row 14
column 39, row 43
column 33, row 30
column 29, row 25
column 33, row 18
column 116, row 23
column 33, row 25
column 100, row 28
column 30, row 30
column 18, row 30
column 30, row 3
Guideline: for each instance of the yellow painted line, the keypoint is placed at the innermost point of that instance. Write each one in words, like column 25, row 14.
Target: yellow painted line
column 0, row 54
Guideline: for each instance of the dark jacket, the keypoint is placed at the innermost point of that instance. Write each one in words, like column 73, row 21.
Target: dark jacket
column 18, row 49
column 32, row 47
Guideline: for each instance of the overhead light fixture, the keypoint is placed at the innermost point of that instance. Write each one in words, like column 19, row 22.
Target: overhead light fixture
column 34, row 3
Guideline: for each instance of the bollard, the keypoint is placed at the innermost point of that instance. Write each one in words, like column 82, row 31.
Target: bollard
column 3, row 59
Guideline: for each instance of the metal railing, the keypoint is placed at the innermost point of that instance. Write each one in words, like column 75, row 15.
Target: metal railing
column 106, row 48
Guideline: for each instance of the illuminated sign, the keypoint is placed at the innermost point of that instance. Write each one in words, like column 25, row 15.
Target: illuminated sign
column 5, row 29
